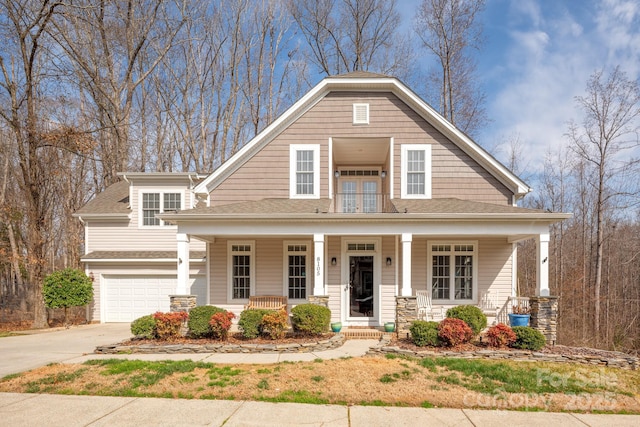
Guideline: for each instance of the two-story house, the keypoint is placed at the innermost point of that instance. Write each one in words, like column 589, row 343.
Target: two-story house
column 359, row 193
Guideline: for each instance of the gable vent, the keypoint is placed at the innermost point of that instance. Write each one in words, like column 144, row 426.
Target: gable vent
column 360, row 114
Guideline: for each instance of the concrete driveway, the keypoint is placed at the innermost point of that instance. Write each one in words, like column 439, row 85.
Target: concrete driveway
column 38, row 348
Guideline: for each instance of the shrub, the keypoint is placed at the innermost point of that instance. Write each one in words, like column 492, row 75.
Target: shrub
column 275, row 323
column 472, row 315
column 199, row 318
column 528, row 338
column 250, row 322
column 500, row 335
column 220, row 324
column 168, row 325
column 424, row 333
column 144, row 327
column 452, row 331
column 311, row 319
column 67, row 288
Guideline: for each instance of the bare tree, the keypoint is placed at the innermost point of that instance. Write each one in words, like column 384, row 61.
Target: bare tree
column 449, row 29
column 605, row 141
column 351, row 35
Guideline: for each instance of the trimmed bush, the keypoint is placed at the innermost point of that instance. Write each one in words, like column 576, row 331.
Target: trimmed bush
column 452, row 332
column 472, row 315
column 311, row 319
column 500, row 335
column 424, row 333
column 275, row 324
column 220, row 324
column 67, row 288
column 528, row 338
column 168, row 325
column 144, row 327
column 199, row 318
column 250, row 322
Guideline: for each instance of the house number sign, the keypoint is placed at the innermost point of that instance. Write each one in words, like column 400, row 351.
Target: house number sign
column 318, row 266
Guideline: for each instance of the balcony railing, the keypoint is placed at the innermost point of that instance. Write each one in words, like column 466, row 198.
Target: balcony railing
column 362, row 203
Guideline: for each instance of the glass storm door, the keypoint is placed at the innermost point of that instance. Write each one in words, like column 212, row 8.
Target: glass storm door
column 361, row 295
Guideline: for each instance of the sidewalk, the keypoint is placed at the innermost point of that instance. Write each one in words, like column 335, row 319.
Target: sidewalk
column 60, row 410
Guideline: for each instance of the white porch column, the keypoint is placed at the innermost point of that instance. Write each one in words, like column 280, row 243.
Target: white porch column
column 318, row 264
column 542, row 264
column 183, row 287
column 407, row 238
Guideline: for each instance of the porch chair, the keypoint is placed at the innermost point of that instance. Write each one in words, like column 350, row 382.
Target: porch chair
column 425, row 310
column 489, row 304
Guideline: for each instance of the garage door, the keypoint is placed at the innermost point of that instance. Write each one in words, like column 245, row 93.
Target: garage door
column 130, row 297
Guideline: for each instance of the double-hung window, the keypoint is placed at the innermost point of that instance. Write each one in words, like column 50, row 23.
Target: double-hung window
column 241, row 269
column 304, row 165
column 453, row 272
column 296, row 269
column 152, row 203
column 416, row 171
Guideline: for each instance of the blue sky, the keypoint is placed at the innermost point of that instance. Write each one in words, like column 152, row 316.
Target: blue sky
column 537, row 57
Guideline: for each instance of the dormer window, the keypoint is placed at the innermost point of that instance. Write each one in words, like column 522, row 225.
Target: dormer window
column 153, row 203
column 304, row 171
column 360, row 114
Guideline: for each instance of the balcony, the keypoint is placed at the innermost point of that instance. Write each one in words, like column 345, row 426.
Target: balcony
column 362, row 203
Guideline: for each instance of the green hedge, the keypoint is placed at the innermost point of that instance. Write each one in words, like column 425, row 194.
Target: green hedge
column 528, row 338
column 199, row 318
column 144, row 327
column 472, row 316
column 310, row 319
column 250, row 322
column 424, row 333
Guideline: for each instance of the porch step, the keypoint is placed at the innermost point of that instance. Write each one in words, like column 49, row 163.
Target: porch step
column 361, row 334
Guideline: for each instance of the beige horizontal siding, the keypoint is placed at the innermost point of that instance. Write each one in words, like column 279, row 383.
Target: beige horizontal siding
column 267, row 173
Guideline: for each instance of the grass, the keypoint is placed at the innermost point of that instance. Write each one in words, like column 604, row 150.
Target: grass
column 390, row 381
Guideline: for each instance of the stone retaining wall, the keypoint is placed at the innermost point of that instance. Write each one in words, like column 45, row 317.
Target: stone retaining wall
column 629, row 362
column 214, row 347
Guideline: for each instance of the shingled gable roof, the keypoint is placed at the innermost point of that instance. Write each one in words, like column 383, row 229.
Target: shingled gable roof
column 369, row 82
column 113, row 201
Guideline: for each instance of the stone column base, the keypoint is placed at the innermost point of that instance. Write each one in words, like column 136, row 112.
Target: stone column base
column 406, row 312
column 322, row 300
column 544, row 316
column 182, row 303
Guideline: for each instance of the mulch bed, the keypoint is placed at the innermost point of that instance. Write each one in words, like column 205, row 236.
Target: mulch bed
column 237, row 339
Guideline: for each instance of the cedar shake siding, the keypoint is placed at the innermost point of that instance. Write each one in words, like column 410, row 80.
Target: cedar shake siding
column 454, row 173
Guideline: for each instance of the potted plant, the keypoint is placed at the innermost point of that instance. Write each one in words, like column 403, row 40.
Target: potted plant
column 336, row 326
column 520, row 315
column 389, row 326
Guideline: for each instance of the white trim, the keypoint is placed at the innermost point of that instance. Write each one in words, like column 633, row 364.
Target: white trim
column 293, row 150
column 375, row 320
column 391, row 171
column 405, row 148
column 252, row 268
column 358, row 109
column 162, row 193
column 330, row 169
column 285, row 268
column 452, row 254
column 208, row 272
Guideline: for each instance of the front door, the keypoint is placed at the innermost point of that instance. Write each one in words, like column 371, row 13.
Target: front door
column 361, row 289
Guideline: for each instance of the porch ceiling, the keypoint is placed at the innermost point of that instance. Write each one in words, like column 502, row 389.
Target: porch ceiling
column 360, row 151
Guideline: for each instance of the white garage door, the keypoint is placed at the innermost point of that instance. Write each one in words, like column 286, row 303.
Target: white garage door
column 130, row 297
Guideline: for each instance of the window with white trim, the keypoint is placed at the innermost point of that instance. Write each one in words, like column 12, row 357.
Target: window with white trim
column 241, row 269
column 453, row 272
column 152, row 203
column 304, row 164
column 360, row 114
column 296, row 256
column 416, row 171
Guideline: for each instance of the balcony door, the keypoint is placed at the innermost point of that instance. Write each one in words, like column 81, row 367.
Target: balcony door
column 359, row 194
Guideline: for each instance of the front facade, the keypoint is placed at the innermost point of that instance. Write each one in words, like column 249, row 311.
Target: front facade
column 356, row 195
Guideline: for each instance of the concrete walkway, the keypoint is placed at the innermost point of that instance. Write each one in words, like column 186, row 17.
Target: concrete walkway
column 60, row 410
column 75, row 345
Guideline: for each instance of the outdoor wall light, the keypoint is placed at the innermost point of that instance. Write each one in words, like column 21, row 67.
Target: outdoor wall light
column 334, row 261
column 336, row 174
column 383, row 174
column 388, row 260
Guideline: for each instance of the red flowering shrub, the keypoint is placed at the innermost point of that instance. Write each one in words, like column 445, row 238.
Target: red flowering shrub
column 500, row 335
column 221, row 323
column 452, row 332
column 275, row 324
column 168, row 325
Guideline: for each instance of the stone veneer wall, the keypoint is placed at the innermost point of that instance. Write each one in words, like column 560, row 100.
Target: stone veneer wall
column 322, row 300
column 181, row 303
column 544, row 317
column 406, row 312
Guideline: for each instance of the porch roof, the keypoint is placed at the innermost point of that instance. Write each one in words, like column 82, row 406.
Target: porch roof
column 448, row 208
column 132, row 256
